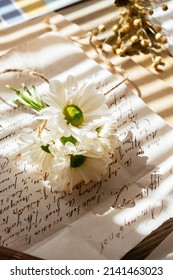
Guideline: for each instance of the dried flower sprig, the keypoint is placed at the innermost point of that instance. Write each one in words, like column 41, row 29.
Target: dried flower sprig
column 133, row 31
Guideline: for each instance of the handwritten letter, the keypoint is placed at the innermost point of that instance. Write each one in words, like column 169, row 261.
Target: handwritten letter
column 117, row 212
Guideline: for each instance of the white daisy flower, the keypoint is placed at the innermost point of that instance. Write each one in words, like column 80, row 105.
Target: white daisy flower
column 72, row 106
column 77, row 169
column 36, row 150
column 76, row 162
column 107, row 133
column 91, row 147
column 77, row 138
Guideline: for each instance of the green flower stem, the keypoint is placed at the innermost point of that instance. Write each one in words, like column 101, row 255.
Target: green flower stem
column 38, row 97
column 29, row 99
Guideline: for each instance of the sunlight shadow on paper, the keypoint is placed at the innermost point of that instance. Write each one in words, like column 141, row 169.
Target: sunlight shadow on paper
column 98, row 217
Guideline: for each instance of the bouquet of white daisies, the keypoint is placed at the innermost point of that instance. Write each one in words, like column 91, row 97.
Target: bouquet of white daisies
column 76, row 137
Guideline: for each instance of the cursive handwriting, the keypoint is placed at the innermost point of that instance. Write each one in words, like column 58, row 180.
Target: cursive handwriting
column 31, row 211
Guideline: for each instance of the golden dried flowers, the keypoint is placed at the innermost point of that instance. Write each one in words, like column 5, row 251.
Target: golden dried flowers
column 121, row 2
column 133, row 31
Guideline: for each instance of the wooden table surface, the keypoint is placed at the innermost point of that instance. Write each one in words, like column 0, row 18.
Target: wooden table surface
column 77, row 20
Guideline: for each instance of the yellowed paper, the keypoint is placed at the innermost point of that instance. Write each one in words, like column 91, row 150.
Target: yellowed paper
column 101, row 220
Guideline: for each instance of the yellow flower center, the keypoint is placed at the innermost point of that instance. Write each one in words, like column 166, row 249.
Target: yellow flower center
column 77, row 160
column 73, row 115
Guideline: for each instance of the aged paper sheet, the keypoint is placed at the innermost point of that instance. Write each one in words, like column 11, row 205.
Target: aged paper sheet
column 101, row 220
